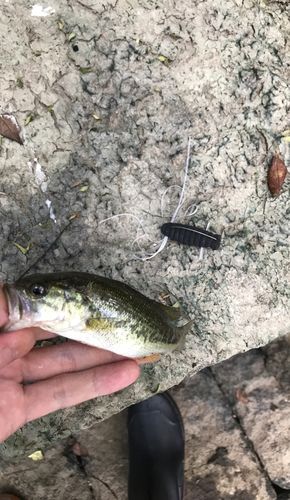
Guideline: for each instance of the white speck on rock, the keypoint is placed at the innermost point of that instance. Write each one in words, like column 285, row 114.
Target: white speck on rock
column 39, row 11
column 40, row 177
column 51, row 214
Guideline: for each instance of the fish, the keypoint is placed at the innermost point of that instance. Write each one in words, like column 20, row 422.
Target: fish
column 94, row 310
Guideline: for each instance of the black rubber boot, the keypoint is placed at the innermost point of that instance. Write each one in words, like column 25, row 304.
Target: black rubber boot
column 156, row 446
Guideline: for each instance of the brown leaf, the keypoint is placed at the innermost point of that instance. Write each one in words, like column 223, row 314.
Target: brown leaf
column 76, row 183
column 71, row 440
column 276, row 175
column 9, row 128
column 80, row 450
column 241, row 395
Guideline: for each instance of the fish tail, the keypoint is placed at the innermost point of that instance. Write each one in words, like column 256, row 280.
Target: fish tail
column 183, row 330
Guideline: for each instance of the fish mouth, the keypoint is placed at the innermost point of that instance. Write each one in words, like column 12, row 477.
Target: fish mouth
column 19, row 309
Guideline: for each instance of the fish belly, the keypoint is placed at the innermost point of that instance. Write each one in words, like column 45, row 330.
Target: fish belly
column 120, row 343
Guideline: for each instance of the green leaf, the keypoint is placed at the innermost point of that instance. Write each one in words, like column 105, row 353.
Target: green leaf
column 71, row 36
column 45, row 226
column 156, row 390
column 86, row 70
column 30, row 119
column 157, row 90
column 19, row 82
column 84, row 188
column 23, row 250
column 50, row 110
column 176, row 304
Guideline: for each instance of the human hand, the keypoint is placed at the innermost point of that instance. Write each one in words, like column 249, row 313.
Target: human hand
column 65, row 374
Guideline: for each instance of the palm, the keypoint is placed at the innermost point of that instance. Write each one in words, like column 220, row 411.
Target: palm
column 66, row 374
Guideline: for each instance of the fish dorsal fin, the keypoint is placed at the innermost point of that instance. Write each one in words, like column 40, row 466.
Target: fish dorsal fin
column 172, row 313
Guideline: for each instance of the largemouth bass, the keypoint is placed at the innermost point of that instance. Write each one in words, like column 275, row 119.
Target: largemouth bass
column 94, row 310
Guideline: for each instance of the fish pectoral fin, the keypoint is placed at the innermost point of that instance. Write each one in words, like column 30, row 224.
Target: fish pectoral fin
column 103, row 324
column 172, row 313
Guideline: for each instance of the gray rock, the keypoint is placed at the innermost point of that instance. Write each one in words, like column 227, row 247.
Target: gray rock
column 263, row 409
column 220, row 462
column 226, row 86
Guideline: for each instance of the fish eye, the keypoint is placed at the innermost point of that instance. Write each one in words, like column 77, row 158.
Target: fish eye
column 38, row 290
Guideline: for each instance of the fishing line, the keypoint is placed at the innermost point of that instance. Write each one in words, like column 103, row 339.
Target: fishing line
column 144, row 254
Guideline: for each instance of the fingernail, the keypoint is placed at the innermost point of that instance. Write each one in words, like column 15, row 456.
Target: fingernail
column 6, row 357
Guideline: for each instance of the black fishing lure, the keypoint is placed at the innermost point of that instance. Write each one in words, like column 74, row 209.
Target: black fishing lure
column 191, row 235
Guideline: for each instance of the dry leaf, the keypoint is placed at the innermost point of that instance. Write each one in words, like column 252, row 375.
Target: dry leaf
column 164, row 60
column 71, row 440
column 276, row 175
column 241, row 395
column 84, row 188
column 9, row 128
column 60, row 25
column 286, row 132
column 80, row 450
column 74, row 216
column 36, row 456
column 285, row 139
column 163, row 298
column 96, row 117
column 76, row 183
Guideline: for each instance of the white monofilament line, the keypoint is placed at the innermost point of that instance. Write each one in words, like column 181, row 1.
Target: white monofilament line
column 148, row 255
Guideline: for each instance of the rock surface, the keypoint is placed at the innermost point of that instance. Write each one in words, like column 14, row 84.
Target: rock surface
column 264, row 411
column 236, row 424
column 224, row 82
column 220, row 463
